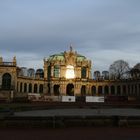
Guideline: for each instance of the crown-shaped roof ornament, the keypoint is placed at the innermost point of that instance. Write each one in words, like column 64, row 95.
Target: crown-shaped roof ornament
column 71, row 48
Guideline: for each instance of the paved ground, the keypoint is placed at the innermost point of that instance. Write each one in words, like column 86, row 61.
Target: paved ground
column 71, row 134
column 80, row 112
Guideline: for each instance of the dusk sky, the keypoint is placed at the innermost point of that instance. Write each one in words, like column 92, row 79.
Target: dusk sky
column 102, row 30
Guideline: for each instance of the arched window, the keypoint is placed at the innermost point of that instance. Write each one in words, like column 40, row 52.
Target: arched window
column 35, row 88
column 30, row 88
column 105, row 75
column 56, row 71
column 39, row 73
column 31, row 72
column 6, row 81
column 97, row 75
column 83, row 72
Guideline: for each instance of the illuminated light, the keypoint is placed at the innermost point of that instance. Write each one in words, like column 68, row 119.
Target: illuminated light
column 70, row 72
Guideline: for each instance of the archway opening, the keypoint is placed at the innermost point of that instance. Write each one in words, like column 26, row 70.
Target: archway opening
column 118, row 90
column 56, row 90
column 112, row 90
column 106, row 90
column 93, row 90
column 6, row 81
column 25, row 87
column 129, row 89
column 124, row 89
column 70, row 90
column 100, row 90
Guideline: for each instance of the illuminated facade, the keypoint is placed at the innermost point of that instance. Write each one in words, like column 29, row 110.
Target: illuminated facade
column 67, row 73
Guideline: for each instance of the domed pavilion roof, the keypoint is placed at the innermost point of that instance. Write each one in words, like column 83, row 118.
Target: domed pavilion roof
column 61, row 57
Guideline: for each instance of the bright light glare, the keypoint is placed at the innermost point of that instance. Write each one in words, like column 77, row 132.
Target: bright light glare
column 70, row 72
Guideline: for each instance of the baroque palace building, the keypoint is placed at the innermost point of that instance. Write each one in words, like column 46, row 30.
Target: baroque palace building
column 64, row 74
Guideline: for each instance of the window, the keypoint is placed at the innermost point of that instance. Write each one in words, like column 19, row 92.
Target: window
column 49, row 72
column 56, row 71
column 83, row 72
column 70, row 72
column 6, row 81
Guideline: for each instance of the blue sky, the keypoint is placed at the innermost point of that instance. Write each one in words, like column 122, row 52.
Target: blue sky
column 102, row 30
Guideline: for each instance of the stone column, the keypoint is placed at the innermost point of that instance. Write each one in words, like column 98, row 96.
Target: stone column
column 52, row 71
column 87, row 73
column 0, row 80
column 1, row 60
column 27, row 87
column 51, row 89
column 126, row 90
column 45, row 70
column 63, row 89
column 97, row 91
column 88, row 90
column 45, row 88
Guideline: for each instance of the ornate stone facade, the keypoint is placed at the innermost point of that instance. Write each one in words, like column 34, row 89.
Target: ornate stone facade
column 66, row 73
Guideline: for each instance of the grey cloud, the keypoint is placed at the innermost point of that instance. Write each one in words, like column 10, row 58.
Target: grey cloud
column 91, row 26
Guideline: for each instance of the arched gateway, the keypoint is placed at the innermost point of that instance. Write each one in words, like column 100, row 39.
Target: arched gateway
column 70, row 90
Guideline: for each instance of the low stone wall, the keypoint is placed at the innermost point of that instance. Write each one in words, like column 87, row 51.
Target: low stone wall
column 69, row 121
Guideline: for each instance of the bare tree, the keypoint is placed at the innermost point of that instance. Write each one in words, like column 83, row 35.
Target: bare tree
column 137, row 66
column 135, row 71
column 119, row 70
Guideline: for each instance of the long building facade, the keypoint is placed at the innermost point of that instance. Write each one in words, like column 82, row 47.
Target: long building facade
column 64, row 74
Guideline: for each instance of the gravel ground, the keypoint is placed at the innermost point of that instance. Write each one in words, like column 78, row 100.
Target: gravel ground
column 80, row 112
